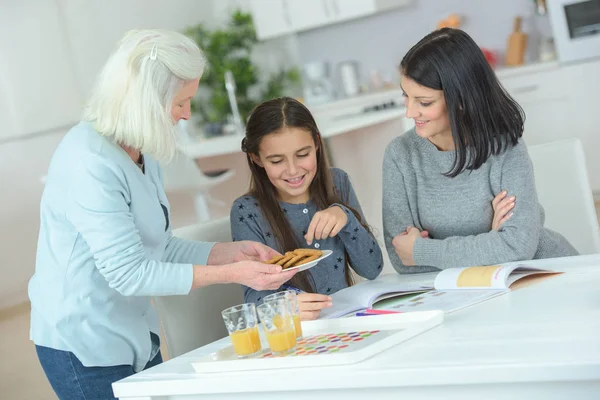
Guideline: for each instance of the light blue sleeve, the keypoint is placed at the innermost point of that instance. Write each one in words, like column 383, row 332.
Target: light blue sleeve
column 180, row 250
column 99, row 210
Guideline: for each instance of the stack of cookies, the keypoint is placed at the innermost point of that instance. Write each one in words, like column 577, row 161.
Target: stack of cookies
column 295, row 258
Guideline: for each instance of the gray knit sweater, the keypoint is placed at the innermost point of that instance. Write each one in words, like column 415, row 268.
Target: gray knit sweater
column 457, row 212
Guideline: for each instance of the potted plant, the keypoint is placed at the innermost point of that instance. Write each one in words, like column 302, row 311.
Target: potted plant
column 230, row 48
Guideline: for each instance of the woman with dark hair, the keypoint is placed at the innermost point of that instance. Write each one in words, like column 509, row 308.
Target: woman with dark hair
column 459, row 188
column 296, row 200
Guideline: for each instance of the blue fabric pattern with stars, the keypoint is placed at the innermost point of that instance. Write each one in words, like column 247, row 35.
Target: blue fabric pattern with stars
column 365, row 257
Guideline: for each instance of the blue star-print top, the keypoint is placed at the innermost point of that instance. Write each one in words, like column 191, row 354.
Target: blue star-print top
column 249, row 223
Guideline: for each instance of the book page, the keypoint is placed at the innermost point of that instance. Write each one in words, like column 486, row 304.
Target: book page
column 524, row 272
column 445, row 300
column 363, row 295
column 485, row 277
column 488, row 277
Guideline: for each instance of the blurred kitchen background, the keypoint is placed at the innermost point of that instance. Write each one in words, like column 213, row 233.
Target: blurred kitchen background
column 340, row 57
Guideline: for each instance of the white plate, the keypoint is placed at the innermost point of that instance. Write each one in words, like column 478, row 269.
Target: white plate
column 326, row 253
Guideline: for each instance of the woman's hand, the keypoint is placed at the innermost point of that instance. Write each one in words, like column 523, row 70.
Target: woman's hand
column 311, row 304
column 502, row 205
column 254, row 274
column 259, row 276
column 405, row 242
column 226, row 253
column 326, row 223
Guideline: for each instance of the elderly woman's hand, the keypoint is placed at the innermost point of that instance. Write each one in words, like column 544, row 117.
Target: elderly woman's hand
column 254, row 274
column 248, row 250
column 259, row 276
column 226, row 253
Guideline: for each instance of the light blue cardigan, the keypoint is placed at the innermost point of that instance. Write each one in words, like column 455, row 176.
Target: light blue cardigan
column 104, row 248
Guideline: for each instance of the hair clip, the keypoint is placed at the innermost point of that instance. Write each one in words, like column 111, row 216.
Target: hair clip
column 154, row 52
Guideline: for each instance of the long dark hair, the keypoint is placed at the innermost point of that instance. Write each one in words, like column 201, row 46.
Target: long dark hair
column 484, row 119
column 269, row 117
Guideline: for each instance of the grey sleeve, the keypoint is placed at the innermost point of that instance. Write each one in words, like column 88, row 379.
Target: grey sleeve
column 245, row 228
column 363, row 251
column 518, row 238
column 396, row 208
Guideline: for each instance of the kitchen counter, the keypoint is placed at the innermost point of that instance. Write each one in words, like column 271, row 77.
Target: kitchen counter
column 329, row 127
column 530, row 68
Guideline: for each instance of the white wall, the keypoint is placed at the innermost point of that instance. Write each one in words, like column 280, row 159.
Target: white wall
column 380, row 42
column 22, row 164
column 50, row 54
column 94, row 27
column 88, row 31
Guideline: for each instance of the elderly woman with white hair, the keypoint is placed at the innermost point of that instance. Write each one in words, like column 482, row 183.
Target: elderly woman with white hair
column 105, row 244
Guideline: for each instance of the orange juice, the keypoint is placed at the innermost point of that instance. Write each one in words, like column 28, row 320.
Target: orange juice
column 281, row 340
column 279, row 322
column 297, row 325
column 246, row 341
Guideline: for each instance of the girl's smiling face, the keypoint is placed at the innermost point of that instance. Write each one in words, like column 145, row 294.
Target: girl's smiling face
column 289, row 157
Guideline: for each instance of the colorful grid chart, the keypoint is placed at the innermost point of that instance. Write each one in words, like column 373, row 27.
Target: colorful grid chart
column 331, row 343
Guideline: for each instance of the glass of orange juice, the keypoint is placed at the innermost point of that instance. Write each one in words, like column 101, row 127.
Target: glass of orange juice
column 278, row 324
column 292, row 300
column 242, row 324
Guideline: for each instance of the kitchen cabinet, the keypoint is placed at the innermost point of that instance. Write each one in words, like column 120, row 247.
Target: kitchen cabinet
column 39, row 90
column 274, row 18
column 559, row 103
column 545, row 99
column 271, row 18
column 347, row 9
column 305, row 15
column 583, row 82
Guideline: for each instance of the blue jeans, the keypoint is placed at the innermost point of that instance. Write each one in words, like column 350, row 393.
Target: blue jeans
column 71, row 380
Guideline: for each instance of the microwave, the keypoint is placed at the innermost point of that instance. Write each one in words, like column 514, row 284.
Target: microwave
column 576, row 28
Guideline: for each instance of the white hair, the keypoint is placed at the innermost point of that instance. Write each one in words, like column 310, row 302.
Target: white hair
column 132, row 98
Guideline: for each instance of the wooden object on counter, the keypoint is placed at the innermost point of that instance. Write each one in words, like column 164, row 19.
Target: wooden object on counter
column 517, row 43
column 452, row 21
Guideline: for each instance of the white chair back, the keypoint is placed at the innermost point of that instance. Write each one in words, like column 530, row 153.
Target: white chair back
column 192, row 321
column 564, row 191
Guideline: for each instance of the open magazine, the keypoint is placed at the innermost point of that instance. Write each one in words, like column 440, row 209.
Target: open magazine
column 452, row 289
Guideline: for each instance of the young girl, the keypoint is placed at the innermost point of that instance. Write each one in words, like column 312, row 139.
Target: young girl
column 460, row 187
column 296, row 200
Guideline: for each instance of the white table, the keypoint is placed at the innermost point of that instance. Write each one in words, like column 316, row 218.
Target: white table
column 538, row 342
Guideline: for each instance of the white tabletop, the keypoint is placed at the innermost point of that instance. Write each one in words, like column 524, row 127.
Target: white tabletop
column 542, row 340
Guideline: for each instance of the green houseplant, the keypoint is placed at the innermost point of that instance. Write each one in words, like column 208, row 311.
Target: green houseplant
column 230, row 48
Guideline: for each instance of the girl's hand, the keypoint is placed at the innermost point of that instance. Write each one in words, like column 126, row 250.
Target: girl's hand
column 326, row 223
column 311, row 304
column 502, row 205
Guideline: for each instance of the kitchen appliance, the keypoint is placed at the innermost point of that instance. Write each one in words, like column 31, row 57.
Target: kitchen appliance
column 349, row 78
column 318, row 88
column 576, row 28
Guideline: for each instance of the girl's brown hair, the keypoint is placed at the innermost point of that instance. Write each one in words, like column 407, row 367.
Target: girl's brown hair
column 267, row 118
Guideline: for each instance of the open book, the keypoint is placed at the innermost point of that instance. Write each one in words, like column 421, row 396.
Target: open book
column 449, row 290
